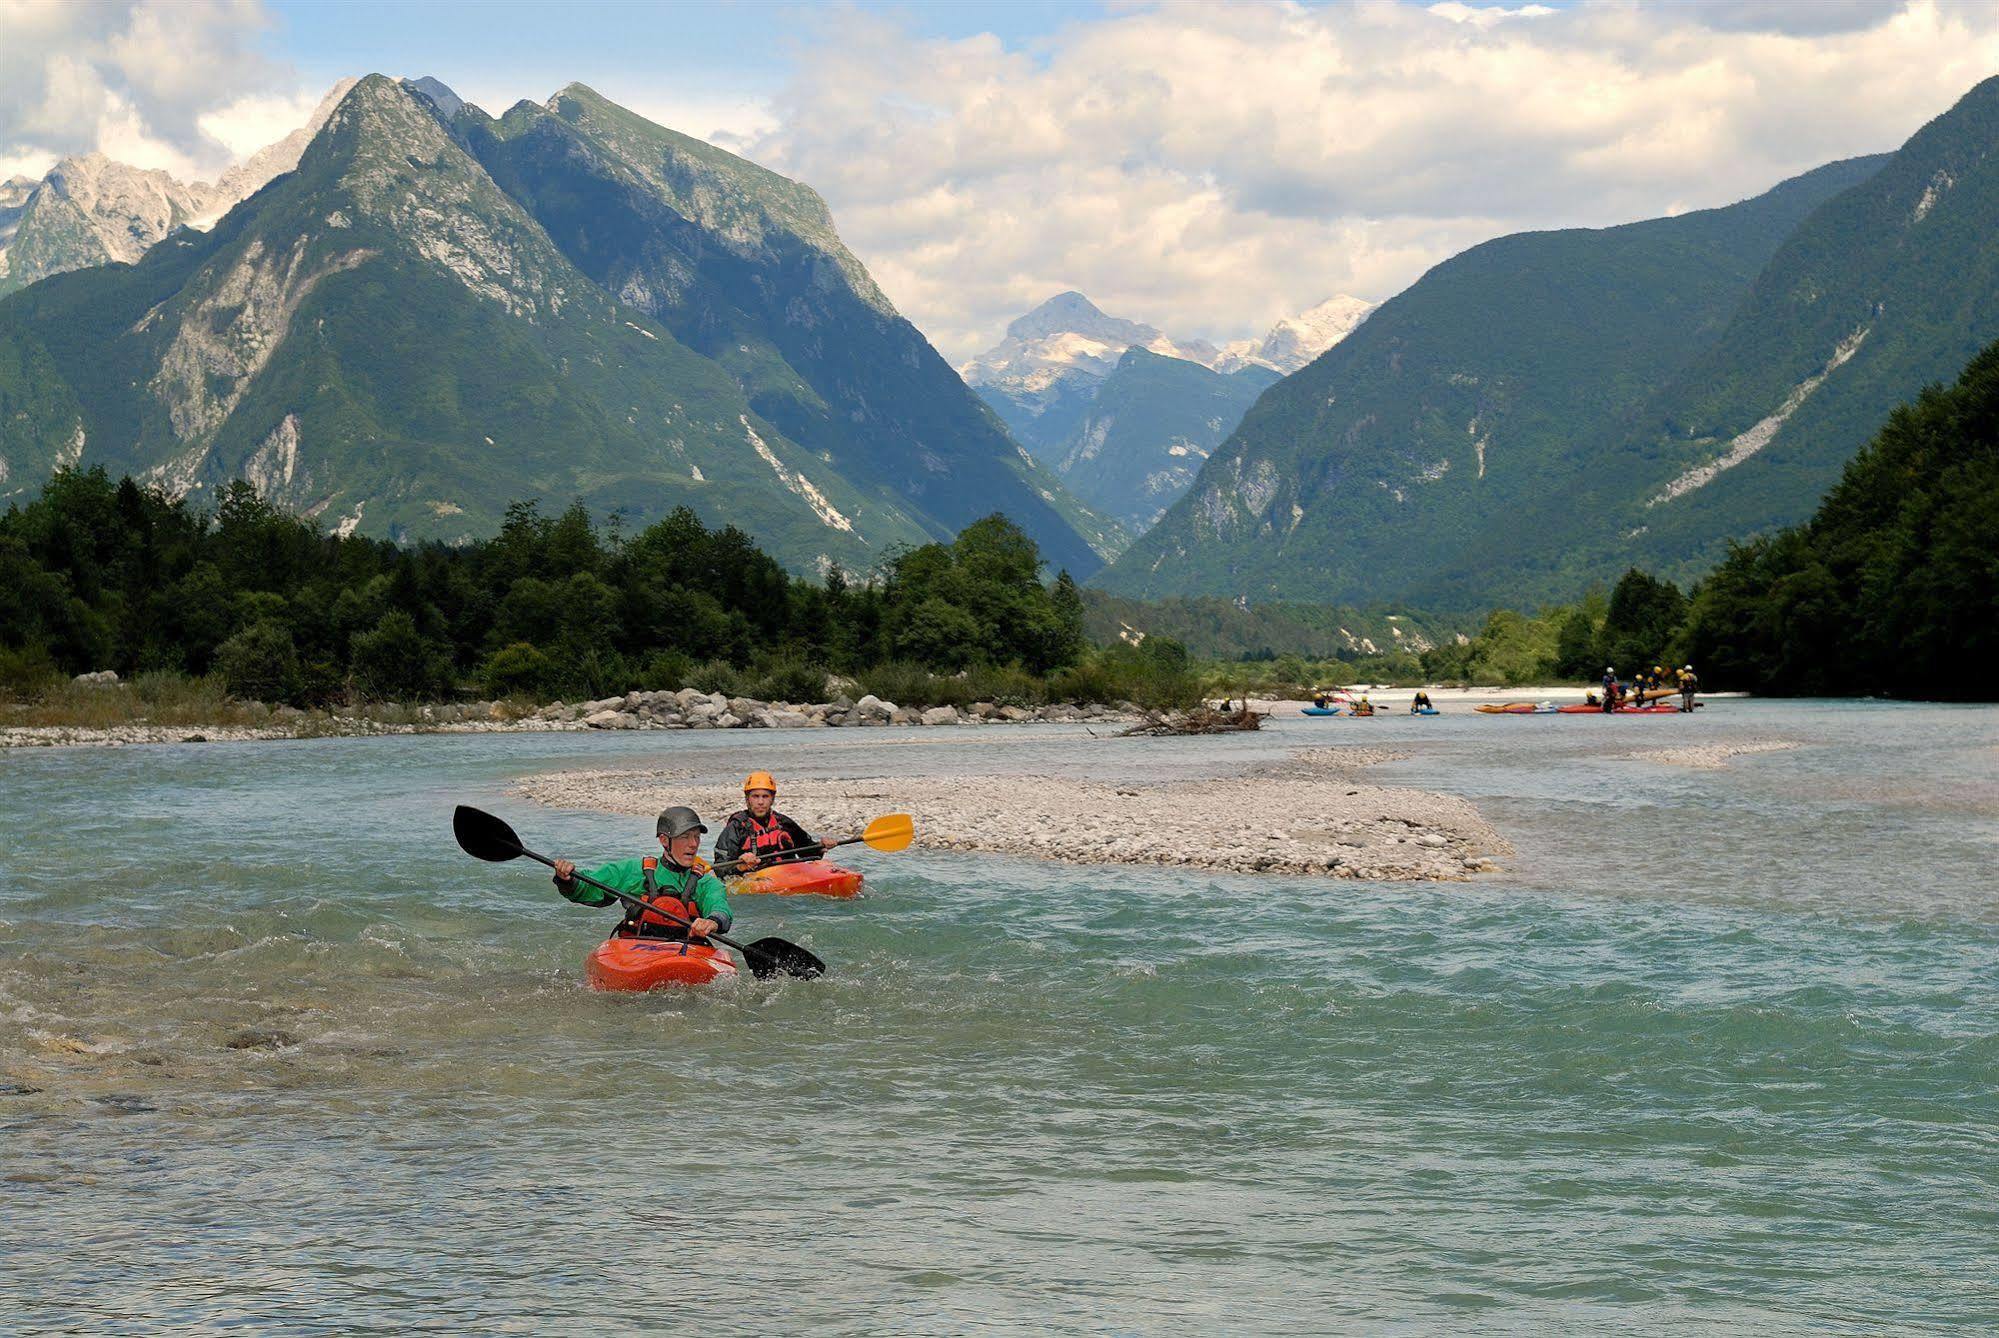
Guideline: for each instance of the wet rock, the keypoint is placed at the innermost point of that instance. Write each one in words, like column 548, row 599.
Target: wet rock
column 125, row 1105
column 18, row 1089
column 195, row 738
column 261, row 1038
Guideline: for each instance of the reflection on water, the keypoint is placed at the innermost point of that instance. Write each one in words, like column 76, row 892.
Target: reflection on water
column 1719, row 1043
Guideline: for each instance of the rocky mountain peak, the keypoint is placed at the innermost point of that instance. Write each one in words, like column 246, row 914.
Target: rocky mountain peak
column 1072, row 313
column 448, row 103
column 92, row 210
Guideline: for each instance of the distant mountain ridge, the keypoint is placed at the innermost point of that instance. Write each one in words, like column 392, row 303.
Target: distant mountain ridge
column 1148, row 430
column 439, row 312
column 1042, row 378
column 1124, row 414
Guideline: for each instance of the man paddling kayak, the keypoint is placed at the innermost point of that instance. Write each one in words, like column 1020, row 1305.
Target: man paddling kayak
column 675, row 883
column 758, row 832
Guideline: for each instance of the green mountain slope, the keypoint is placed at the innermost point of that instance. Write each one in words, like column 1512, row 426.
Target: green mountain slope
column 390, row 340
column 1889, row 287
column 1893, row 584
column 1459, row 404
column 1153, row 423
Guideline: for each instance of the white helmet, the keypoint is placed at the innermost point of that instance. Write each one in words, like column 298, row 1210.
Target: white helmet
column 1690, row 668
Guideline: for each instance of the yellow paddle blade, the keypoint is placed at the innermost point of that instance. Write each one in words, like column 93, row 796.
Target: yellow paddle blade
column 893, row 831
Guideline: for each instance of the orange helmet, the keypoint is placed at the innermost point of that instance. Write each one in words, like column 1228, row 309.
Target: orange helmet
column 760, row 780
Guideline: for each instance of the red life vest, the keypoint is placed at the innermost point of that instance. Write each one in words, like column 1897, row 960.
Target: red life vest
column 768, row 835
column 648, row 923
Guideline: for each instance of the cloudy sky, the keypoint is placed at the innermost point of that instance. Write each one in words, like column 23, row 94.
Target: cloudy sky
column 1207, row 168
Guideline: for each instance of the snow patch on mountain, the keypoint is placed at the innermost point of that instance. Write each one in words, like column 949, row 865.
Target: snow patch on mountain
column 1297, row 340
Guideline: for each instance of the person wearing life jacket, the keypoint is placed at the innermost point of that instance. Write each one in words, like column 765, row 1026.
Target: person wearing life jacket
column 1420, row 703
column 1610, row 690
column 757, row 832
column 1690, row 683
column 676, row 882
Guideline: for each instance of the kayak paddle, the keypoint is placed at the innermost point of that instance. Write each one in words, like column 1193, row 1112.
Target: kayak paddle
column 890, row 832
column 483, row 836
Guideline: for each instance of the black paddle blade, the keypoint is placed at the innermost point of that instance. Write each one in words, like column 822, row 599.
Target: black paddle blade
column 483, row 836
column 774, row 956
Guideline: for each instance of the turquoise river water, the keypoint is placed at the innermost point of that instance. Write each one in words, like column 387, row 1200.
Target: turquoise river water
column 1714, row 1050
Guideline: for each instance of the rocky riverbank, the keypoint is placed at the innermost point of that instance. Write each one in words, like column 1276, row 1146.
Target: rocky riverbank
column 685, row 709
column 1321, row 822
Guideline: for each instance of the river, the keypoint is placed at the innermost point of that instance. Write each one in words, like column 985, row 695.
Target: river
column 1715, row 1048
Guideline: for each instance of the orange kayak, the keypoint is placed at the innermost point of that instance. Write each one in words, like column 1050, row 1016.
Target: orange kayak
column 810, row 877
column 654, row 963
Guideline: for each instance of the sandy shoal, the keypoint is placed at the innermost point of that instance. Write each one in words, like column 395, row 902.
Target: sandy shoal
column 1307, row 815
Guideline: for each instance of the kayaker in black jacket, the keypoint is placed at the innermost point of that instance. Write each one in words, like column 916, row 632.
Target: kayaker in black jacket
column 757, row 832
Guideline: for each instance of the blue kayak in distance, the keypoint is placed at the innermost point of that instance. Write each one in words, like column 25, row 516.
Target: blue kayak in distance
column 1320, row 710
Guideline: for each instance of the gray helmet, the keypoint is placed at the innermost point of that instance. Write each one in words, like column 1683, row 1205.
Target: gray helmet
column 678, row 821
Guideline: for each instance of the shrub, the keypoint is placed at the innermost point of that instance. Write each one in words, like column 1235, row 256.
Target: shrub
column 260, row 663
column 26, row 673
column 908, row 684
column 788, row 680
column 519, row 670
column 396, row 662
column 666, row 671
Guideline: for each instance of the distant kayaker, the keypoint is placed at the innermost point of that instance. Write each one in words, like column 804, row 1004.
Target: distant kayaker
column 675, row 883
column 1610, row 689
column 1690, row 683
column 756, row 832
column 1420, row 703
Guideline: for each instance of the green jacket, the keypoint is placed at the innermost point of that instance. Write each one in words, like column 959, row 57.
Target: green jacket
column 705, row 890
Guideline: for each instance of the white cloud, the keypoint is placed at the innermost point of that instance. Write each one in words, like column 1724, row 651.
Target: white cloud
column 1484, row 16
column 249, row 123
column 1208, row 169
column 137, row 79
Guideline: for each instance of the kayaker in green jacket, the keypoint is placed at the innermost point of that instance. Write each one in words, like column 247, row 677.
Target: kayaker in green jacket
column 677, row 883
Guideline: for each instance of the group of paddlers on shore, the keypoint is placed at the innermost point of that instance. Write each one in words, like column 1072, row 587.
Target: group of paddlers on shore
column 1647, row 686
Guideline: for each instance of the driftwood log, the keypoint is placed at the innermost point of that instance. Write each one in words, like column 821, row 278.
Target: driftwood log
column 1200, row 720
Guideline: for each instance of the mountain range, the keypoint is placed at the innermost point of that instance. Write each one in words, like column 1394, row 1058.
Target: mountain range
column 1124, row 414
column 92, row 210
column 439, row 312
column 1543, row 410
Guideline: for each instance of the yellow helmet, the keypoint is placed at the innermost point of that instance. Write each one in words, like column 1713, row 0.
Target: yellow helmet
column 760, row 780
